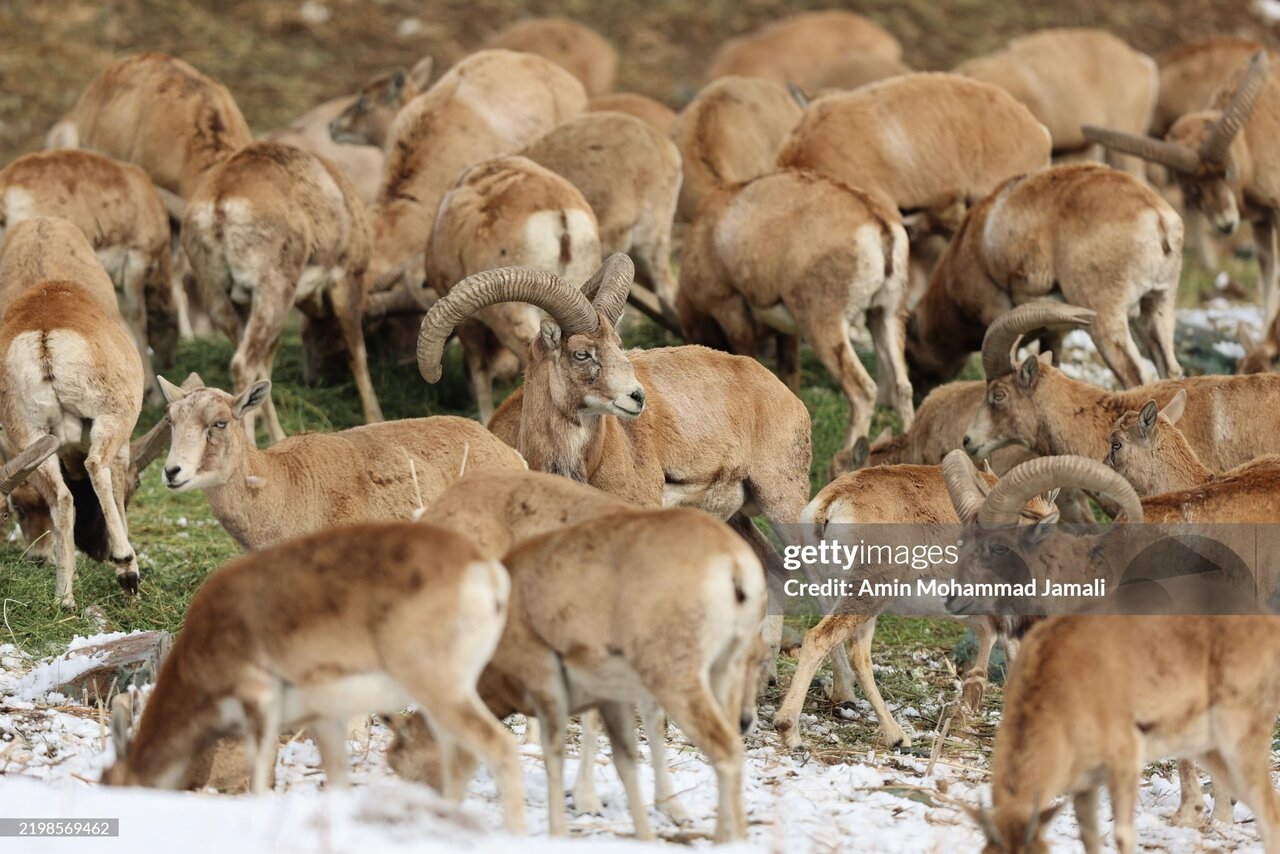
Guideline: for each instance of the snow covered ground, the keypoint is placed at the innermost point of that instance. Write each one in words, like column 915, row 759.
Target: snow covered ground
column 52, row 753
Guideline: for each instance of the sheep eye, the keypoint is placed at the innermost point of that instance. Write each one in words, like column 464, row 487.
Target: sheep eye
column 582, row 355
column 219, row 425
column 1115, row 446
column 997, row 395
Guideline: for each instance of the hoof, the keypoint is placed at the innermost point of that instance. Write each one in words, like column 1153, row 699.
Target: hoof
column 675, row 812
column 971, row 695
column 895, row 738
column 590, row 805
column 1193, row 817
column 128, row 581
column 68, row 602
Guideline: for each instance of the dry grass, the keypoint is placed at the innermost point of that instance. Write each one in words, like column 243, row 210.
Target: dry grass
column 277, row 64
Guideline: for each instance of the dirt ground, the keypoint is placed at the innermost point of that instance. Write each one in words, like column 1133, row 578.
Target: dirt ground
column 281, row 57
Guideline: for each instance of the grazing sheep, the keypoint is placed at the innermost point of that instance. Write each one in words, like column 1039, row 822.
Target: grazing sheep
column 799, row 48
column 803, row 256
column 630, row 174
column 573, row 46
column 338, row 623
column 731, row 132
column 161, row 114
column 927, row 144
column 315, row 480
column 491, row 104
column 118, row 210
column 271, row 228
column 1082, row 233
column 1227, row 161
column 658, row 115
column 508, row 211
column 1075, row 76
column 71, row 370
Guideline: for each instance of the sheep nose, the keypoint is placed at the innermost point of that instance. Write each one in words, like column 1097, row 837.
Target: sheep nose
column 637, row 396
column 967, row 443
column 171, row 473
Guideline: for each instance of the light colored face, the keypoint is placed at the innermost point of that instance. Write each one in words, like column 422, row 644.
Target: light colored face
column 591, row 375
column 203, row 440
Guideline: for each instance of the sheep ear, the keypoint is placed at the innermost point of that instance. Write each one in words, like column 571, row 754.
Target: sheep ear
column 1028, row 373
column 254, row 396
column 1174, row 408
column 1147, row 418
column 192, row 382
column 883, row 437
column 170, row 391
column 420, row 74
column 550, row 335
column 1046, row 358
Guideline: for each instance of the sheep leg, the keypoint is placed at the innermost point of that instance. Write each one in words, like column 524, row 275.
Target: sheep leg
column 1085, row 805
column 474, row 338
column 889, row 339
column 348, row 307
column 473, row 730
column 263, row 740
column 664, row 792
column 829, row 338
column 256, row 352
column 1243, row 762
column 107, row 464
column 62, row 510
column 585, row 798
column 1122, row 783
column 1110, row 332
column 891, row 732
column 826, row 638
column 331, row 739
column 1155, row 323
column 652, row 257
column 133, row 281
column 975, row 679
column 553, row 712
column 1190, row 812
column 695, row 710
column 620, row 725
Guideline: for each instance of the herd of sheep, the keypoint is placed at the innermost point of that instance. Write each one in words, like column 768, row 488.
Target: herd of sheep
column 593, row 549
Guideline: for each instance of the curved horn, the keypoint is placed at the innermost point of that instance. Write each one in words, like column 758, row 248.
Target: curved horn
column 1003, row 335
column 959, row 475
column 144, row 450
column 1216, row 145
column 25, row 462
column 1034, row 477
column 608, row 288
column 1177, row 157
column 546, row 290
